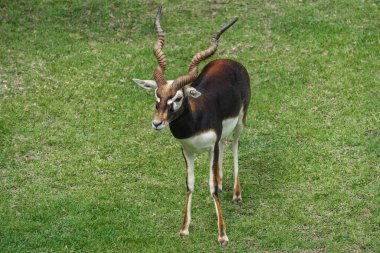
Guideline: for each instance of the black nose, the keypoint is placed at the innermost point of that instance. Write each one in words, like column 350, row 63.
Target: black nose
column 156, row 123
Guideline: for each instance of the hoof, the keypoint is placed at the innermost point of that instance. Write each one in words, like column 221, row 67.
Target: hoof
column 223, row 240
column 183, row 232
column 237, row 200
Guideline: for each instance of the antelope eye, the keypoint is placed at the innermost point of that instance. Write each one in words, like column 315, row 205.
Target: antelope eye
column 178, row 99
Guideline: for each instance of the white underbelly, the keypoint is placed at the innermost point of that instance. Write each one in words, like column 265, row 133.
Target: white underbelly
column 205, row 141
column 228, row 126
column 202, row 142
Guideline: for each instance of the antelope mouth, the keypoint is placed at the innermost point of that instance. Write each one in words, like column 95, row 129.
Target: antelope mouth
column 158, row 127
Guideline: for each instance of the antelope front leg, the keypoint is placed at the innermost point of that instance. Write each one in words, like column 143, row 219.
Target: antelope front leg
column 214, row 188
column 189, row 159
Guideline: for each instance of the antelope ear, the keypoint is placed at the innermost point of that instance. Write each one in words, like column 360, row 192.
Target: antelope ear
column 192, row 92
column 146, row 84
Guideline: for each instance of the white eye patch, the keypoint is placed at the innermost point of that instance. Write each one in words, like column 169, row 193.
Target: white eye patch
column 157, row 98
column 176, row 100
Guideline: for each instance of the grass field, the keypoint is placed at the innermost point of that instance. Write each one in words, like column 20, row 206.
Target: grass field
column 81, row 170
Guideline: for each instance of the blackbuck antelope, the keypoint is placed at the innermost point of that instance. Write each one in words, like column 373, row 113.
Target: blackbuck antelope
column 201, row 111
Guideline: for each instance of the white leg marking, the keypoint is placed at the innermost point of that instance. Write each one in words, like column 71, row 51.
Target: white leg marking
column 190, row 169
column 235, row 149
column 221, row 155
column 190, row 185
column 211, row 157
column 188, row 214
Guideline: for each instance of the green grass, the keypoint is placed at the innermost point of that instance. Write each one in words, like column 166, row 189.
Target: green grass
column 82, row 171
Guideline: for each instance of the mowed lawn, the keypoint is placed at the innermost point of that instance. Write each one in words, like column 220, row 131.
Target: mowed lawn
column 81, row 169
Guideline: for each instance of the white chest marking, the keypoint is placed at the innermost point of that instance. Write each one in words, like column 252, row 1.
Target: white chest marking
column 199, row 143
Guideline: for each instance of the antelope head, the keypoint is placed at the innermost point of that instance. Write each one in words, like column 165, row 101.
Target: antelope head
column 170, row 94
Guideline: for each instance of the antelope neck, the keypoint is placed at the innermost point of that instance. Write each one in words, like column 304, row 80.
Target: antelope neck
column 183, row 125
